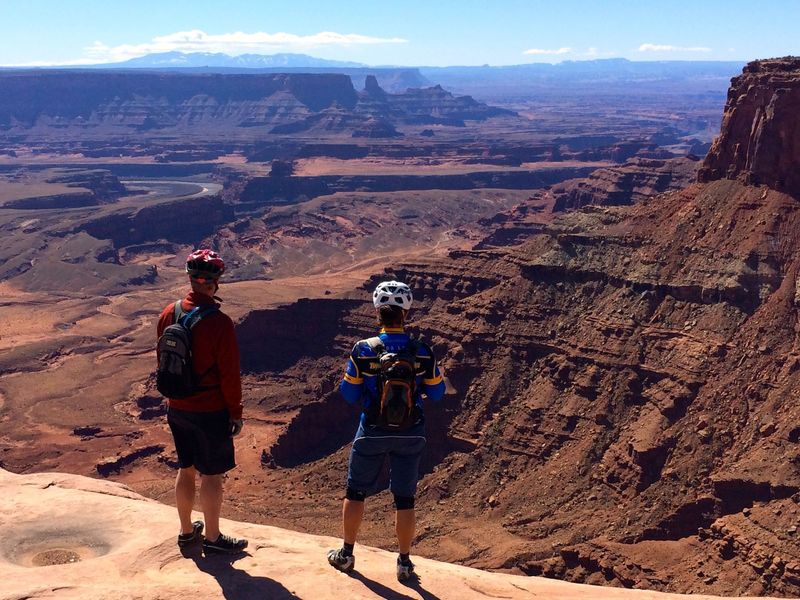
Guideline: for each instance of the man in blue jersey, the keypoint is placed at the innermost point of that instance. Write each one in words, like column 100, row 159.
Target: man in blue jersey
column 383, row 431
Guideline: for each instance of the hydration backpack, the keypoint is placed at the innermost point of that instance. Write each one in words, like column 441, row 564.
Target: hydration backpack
column 397, row 386
column 175, row 376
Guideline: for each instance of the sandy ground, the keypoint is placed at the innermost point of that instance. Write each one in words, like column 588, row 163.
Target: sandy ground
column 382, row 166
column 33, row 158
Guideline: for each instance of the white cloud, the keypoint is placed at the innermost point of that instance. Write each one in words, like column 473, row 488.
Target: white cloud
column 543, row 51
column 667, row 48
column 231, row 43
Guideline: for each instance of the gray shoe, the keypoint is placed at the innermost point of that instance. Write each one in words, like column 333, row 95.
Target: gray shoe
column 405, row 570
column 338, row 560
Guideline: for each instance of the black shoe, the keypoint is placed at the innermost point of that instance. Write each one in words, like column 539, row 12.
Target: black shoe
column 185, row 539
column 224, row 544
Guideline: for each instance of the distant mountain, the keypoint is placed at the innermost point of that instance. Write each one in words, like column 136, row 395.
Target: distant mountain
column 608, row 77
column 217, row 59
column 593, row 70
column 392, row 79
column 615, row 77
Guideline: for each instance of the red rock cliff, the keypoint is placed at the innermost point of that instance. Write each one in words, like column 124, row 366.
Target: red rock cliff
column 759, row 141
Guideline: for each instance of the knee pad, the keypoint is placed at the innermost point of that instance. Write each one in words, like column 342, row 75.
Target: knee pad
column 355, row 495
column 403, row 502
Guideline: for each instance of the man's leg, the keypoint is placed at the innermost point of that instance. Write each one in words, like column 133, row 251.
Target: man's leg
column 404, row 523
column 404, row 465
column 184, row 497
column 352, row 514
column 211, row 503
column 366, row 458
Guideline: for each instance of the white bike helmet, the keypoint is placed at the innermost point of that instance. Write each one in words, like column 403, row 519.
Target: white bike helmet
column 392, row 293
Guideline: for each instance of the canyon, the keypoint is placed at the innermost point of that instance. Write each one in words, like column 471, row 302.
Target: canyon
column 615, row 316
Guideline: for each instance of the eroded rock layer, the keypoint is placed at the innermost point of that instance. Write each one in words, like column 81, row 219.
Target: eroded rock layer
column 93, row 105
column 620, row 397
column 631, row 182
column 625, row 376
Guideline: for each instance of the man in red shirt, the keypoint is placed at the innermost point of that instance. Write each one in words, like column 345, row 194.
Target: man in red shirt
column 204, row 424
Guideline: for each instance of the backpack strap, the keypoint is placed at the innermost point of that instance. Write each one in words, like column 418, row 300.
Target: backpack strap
column 376, row 345
column 194, row 316
column 177, row 312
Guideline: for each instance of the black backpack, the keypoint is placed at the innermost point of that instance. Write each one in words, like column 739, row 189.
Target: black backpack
column 175, row 376
column 395, row 407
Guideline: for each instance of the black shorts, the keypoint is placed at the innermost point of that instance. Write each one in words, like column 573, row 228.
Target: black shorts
column 202, row 440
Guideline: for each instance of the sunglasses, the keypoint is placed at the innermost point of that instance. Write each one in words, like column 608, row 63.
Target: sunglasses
column 205, row 279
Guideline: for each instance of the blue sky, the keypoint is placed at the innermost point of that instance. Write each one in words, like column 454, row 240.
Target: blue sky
column 407, row 32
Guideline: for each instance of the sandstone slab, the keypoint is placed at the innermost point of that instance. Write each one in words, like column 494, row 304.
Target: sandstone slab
column 67, row 536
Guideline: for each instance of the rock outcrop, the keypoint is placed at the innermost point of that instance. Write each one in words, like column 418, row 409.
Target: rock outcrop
column 427, row 106
column 94, row 105
column 197, row 218
column 629, row 183
column 104, row 185
column 760, row 138
column 86, row 99
column 72, row 537
column 92, row 187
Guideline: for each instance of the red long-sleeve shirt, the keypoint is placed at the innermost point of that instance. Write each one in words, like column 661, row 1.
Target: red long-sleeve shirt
column 215, row 353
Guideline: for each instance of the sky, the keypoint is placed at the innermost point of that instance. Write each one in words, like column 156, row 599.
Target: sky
column 406, row 32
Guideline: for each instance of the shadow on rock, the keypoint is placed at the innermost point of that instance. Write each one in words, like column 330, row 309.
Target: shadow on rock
column 415, row 584
column 236, row 584
column 388, row 593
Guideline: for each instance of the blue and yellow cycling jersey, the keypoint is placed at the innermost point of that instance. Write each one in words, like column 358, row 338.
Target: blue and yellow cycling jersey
column 360, row 381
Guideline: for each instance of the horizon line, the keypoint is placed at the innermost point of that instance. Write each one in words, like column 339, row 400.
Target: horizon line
column 356, row 65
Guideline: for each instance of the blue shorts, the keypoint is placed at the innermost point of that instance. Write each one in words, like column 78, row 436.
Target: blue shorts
column 370, row 448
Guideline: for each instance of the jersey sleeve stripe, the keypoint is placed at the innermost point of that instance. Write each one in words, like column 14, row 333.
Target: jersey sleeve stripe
column 433, row 381
column 354, row 364
column 353, row 380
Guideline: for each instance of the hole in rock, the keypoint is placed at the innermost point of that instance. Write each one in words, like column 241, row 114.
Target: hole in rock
column 41, row 547
column 56, row 556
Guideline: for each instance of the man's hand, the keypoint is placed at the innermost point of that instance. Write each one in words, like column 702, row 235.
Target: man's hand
column 236, row 426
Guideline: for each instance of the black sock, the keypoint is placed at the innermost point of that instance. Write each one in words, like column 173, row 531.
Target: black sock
column 404, row 558
column 347, row 549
